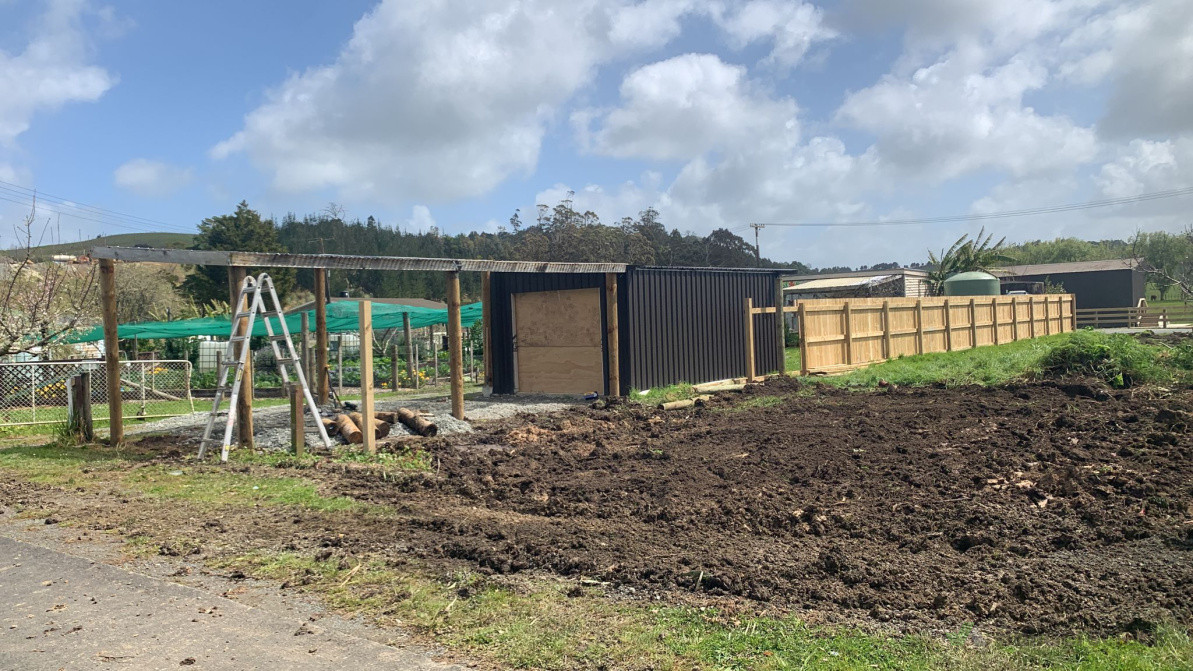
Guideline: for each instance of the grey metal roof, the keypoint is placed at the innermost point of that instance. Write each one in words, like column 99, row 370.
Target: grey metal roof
column 1072, row 267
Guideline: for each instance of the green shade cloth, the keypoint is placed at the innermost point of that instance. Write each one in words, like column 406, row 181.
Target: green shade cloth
column 342, row 317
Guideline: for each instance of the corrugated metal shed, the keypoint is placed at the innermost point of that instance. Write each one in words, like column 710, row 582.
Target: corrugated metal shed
column 687, row 325
column 674, row 324
column 502, row 287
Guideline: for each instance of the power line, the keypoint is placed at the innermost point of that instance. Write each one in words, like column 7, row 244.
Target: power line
column 65, row 208
column 19, row 190
column 105, row 222
column 1143, row 197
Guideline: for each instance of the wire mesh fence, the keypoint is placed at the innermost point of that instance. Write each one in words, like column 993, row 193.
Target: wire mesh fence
column 36, row 392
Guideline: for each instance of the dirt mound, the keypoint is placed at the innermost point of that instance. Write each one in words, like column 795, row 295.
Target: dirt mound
column 1038, row 508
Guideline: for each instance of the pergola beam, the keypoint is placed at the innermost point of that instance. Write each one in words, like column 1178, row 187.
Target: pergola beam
column 342, row 261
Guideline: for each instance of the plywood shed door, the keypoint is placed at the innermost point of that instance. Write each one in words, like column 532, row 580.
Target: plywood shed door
column 557, row 342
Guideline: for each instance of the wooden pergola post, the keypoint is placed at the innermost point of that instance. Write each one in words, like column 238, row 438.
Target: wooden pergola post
column 487, row 330
column 304, row 354
column 611, row 335
column 455, row 343
column 107, row 292
column 244, row 402
column 779, row 325
column 366, row 377
column 324, row 393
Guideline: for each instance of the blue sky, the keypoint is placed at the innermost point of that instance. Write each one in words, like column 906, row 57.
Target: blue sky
column 717, row 113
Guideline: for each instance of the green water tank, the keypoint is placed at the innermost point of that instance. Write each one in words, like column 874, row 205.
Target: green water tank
column 975, row 283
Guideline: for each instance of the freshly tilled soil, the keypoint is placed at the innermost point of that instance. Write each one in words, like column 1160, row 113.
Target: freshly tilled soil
column 1048, row 508
column 1045, row 508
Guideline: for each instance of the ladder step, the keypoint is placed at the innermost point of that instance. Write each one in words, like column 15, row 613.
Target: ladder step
column 279, row 336
column 242, row 315
column 286, row 359
column 239, row 338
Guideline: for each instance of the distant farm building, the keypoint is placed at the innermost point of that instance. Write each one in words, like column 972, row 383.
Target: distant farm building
column 892, row 283
column 1117, row 283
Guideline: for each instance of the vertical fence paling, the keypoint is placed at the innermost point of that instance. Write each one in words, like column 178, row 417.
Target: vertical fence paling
column 38, row 392
column 842, row 334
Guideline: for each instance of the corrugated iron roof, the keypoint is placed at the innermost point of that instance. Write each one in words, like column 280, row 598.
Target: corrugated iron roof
column 1072, row 267
column 838, row 283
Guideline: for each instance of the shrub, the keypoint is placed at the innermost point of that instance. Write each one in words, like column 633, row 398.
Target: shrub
column 1119, row 359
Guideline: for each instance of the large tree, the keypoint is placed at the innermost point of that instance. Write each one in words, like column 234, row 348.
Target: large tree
column 244, row 231
column 1167, row 258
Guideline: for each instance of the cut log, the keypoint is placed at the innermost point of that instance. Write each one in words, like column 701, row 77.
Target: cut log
column 348, row 430
column 329, row 425
column 724, row 387
column 417, row 423
column 686, row 403
column 387, row 416
column 380, row 426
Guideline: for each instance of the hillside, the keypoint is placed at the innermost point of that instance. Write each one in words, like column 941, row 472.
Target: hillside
column 166, row 240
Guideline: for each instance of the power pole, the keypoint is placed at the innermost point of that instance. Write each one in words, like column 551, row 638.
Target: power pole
column 757, row 251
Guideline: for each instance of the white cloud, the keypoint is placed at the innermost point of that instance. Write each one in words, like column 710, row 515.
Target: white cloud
column 52, row 70
column 153, row 179
column 685, row 106
column 1151, row 71
column 420, row 218
column 1147, row 166
column 791, row 27
column 958, row 116
column 439, row 100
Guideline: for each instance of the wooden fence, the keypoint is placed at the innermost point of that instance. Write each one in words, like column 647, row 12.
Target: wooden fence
column 1140, row 317
column 837, row 335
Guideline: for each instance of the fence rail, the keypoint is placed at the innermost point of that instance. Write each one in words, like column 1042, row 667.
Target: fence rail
column 37, row 392
column 1141, row 317
column 838, row 335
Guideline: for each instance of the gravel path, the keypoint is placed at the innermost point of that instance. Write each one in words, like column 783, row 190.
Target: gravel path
column 271, row 426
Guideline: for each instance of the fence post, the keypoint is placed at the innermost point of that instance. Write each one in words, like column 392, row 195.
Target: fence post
column 411, row 377
column 1014, row 318
column 1072, row 312
column 395, row 380
column 948, row 326
column 749, row 324
column 919, row 326
column 848, row 334
column 80, row 407
column 886, row 329
column 304, row 326
column 1031, row 315
column 1047, row 317
column 366, row 376
column 973, row 322
column 994, row 319
column 298, row 434
column 802, row 323
column 779, row 324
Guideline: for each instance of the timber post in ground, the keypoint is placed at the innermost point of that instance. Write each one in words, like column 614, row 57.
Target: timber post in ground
column 244, row 402
column 455, row 343
column 107, row 291
column 323, row 380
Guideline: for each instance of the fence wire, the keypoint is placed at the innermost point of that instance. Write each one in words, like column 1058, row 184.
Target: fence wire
column 35, row 392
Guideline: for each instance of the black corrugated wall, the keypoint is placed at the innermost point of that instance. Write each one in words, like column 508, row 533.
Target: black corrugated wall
column 502, row 287
column 674, row 325
column 687, row 325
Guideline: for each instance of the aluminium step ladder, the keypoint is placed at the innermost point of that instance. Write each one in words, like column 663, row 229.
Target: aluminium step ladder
column 249, row 304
